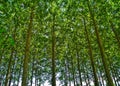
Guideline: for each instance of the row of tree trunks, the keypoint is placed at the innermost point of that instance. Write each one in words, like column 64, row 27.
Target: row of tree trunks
column 10, row 64
column 104, row 60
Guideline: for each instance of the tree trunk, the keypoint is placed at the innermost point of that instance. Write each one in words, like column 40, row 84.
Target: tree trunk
column 25, row 64
column 66, row 73
column 68, row 67
column 19, row 73
column 12, row 71
column 78, row 65
column 105, row 64
column 9, row 69
column 8, row 74
column 32, row 71
column 53, row 53
column 96, row 83
column 73, row 72
column 116, row 35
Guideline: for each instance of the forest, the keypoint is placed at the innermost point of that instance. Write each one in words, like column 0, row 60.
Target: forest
column 59, row 42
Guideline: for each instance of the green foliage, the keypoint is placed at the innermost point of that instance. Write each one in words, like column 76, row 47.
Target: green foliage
column 70, row 43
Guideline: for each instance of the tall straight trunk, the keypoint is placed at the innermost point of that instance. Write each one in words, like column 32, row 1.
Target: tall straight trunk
column 19, row 73
column 116, row 35
column 66, row 73
column 8, row 74
column 73, row 71
column 96, row 83
column 80, row 76
column 78, row 65
column 69, row 79
column 14, row 68
column 32, row 71
column 10, row 79
column 53, row 53
column 68, row 67
column 105, row 64
column 12, row 71
column 27, row 48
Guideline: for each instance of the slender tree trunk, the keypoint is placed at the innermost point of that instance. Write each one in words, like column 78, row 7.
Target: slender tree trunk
column 116, row 35
column 14, row 68
column 53, row 53
column 12, row 71
column 73, row 72
column 9, row 69
column 68, row 67
column 19, row 73
column 96, row 83
column 8, row 74
column 66, row 73
column 80, row 76
column 25, row 64
column 32, row 71
column 10, row 80
column 105, row 64
column 78, row 66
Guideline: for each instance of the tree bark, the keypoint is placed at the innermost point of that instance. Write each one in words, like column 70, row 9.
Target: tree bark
column 105, row 64
column 8, row 74
column 96, row 83
column 27, row 48
column 53, row 53
column 66, row 73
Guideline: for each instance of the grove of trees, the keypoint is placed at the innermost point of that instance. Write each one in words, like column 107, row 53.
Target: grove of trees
column 75, row 42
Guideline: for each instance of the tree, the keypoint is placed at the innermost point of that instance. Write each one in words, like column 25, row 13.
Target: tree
column 109, row 78
column 27, row 48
